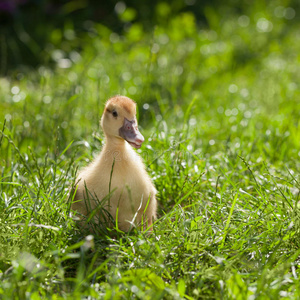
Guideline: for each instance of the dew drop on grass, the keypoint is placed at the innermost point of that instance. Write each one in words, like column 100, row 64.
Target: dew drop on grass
column 23, row 95
column 57, row 54
column 178, row 70
column 259, row 159
column 75, row 56
column 7, row 117
column 173, row 131
column 120, row 7
column 244, row 123
column 72, row 76
column 228, row 112
column 233, row 88
column 292, row 86
column 64, row 125
column 155, row 48
column 234, row 111
column 105, row 79
column 38, row 117
column 132, row 90
column 289, row 13
column 146, row 106
column 93, row 73
column 244, row 93
column 243, row 21
column 47, row 99
column 16, row 98
column 126, row 76
column 247, row 114
column 192, row 121
column 78, row 89
column 69, row 34
column 212, row 35
column 162, row 61
column 162, row 135
column 137, row 80
column 279, row 11
column 64, row 63
column 158, row 118
column 114, row 38
column 264, row 25
column 241, row 106
column 198, row 151
column 15, row 90
column 232, row 119
column 220, row 109
column 163, row 39
column 205, row 49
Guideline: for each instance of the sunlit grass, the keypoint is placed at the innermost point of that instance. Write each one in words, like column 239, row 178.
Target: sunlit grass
column 220, row 111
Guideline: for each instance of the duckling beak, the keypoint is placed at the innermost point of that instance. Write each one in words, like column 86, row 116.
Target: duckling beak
column 129, row 132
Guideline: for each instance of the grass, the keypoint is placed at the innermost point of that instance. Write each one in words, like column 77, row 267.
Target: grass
column 220, row 111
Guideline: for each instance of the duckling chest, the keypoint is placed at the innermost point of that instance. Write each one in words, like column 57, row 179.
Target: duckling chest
column 131, row 176
column 125, row 178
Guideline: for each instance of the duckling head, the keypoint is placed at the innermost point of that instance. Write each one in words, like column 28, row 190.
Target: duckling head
column 119, row 121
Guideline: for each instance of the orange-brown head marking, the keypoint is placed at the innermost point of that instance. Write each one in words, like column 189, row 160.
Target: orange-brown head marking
column 123, row 102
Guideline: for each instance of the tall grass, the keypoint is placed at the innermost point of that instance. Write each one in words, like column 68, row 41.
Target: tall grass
column 220, row 111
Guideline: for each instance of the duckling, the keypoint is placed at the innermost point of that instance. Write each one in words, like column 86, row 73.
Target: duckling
column 118, row 174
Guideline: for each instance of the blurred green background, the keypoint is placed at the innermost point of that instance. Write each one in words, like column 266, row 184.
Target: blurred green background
column 237, row 60
column 40, row 32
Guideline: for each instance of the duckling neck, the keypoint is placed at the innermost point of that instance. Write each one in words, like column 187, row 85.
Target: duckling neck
column 115, row 149
column 114, row 143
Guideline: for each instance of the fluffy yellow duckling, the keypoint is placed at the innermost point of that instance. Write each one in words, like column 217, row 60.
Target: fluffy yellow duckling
column 117, row 175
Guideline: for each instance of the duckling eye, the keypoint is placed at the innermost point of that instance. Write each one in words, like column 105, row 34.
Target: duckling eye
column 114, row 113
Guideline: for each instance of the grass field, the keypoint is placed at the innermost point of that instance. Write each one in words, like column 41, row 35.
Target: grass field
column 220, row 111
